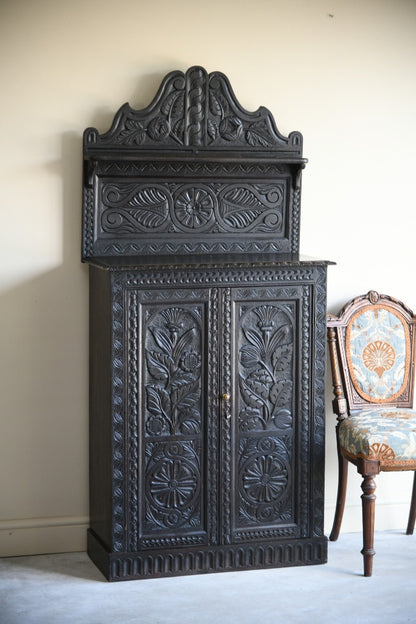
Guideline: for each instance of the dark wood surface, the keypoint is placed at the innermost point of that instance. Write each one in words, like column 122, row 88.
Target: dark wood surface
column 207, row 340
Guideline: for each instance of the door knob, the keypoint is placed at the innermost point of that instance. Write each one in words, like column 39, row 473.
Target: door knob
column 226, row 396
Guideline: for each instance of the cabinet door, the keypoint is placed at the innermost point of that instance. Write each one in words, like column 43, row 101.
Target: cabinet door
column 266, row 438
column 171, row 348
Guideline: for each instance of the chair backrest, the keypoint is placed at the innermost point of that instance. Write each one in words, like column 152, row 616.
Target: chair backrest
column 372, row 346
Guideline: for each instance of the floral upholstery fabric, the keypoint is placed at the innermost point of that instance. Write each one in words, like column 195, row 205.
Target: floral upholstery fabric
column 377, row 345
column 385, row 434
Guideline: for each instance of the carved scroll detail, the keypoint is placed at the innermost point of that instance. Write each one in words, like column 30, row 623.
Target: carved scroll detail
column 211, row 207
column 195, row 109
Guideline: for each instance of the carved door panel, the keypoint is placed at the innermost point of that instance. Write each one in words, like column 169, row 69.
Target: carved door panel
column 172, row 488
column 218, row 442
column 265, row 472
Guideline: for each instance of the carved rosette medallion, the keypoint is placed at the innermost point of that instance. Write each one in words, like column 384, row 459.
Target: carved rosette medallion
column 172, row 486
column 264, row 480
column 194, row 207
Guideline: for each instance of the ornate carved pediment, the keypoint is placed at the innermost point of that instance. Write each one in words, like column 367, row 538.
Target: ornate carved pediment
column 193, row 110
column 192, row 173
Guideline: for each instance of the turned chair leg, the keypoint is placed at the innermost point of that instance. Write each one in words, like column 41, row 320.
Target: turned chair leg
column 412, row 513
column 368, row 498
column 342, row 489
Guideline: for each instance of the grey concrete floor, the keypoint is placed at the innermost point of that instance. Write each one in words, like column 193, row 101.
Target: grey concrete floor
column 67, row 588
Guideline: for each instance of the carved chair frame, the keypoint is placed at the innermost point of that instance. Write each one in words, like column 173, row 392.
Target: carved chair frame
column 349, row 400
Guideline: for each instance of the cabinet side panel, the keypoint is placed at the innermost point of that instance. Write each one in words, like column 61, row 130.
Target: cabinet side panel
column 318, row 327
column 100, row 405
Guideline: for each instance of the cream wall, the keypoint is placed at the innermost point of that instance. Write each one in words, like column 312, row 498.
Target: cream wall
column 340, row 71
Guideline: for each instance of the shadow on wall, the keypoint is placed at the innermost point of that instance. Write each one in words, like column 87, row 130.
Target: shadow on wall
column 44, row 348
column 44, row 379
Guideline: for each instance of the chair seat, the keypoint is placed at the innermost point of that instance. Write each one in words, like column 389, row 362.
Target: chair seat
column 388, row 435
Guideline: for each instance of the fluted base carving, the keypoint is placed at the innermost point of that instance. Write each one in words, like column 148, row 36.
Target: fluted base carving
column 182, row 561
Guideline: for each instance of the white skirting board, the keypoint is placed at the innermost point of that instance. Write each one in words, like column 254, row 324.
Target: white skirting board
column 389, row 516
column 36, row 536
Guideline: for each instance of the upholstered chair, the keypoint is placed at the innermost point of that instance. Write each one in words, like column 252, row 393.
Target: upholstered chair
column 372, row 353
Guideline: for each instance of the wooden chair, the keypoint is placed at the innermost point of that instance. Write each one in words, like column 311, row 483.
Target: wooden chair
column 372, row 349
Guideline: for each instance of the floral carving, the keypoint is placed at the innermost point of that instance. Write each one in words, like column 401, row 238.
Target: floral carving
column 131, row 208
column 133, row 132
column 195, row 109
column 266, row 378
column 173, row 482
column 264, row 478
column 252, row 207
column 194, row 207
column 173, row 369
column 213, row 207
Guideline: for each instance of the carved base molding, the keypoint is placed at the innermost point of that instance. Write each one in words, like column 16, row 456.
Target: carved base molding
column 181, row 561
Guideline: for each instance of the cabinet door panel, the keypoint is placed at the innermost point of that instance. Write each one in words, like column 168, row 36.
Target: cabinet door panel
column 171, row 401
column 266, row 349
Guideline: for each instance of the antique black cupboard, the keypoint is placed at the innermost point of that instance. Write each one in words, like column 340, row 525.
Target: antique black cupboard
column 207, row 340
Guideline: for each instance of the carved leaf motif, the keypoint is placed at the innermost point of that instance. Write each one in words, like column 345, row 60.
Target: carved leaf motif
column 256, row 339
column 183, row 392
column 158, row 401
column 280, row 336
column 259, row 382
column 250, row 419
column 282, row 358
column 212, row 129
column 189, row 422
column 174, row 104
column 249, row 355
column 189, row 415
column 179, row 130
column 183, row 342
column 133, row 132
column 215, row 105
column 157, row 365
column 283, row 419
column 281, row 392
column 250, row 397
column 258, row 135
column 153, row 207
column 241, row 207
column 162, row 339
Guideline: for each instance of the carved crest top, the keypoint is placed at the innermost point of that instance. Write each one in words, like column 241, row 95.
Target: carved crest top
column 194, row 111
column 193, row 173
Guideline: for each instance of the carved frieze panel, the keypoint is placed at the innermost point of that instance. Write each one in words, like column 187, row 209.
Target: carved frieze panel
column 214, row 207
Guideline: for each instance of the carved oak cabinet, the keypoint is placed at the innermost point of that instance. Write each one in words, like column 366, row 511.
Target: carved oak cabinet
column 207, row 340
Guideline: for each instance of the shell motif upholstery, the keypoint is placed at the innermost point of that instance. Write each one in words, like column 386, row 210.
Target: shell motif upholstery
column 378, row 352
column 386, row 434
